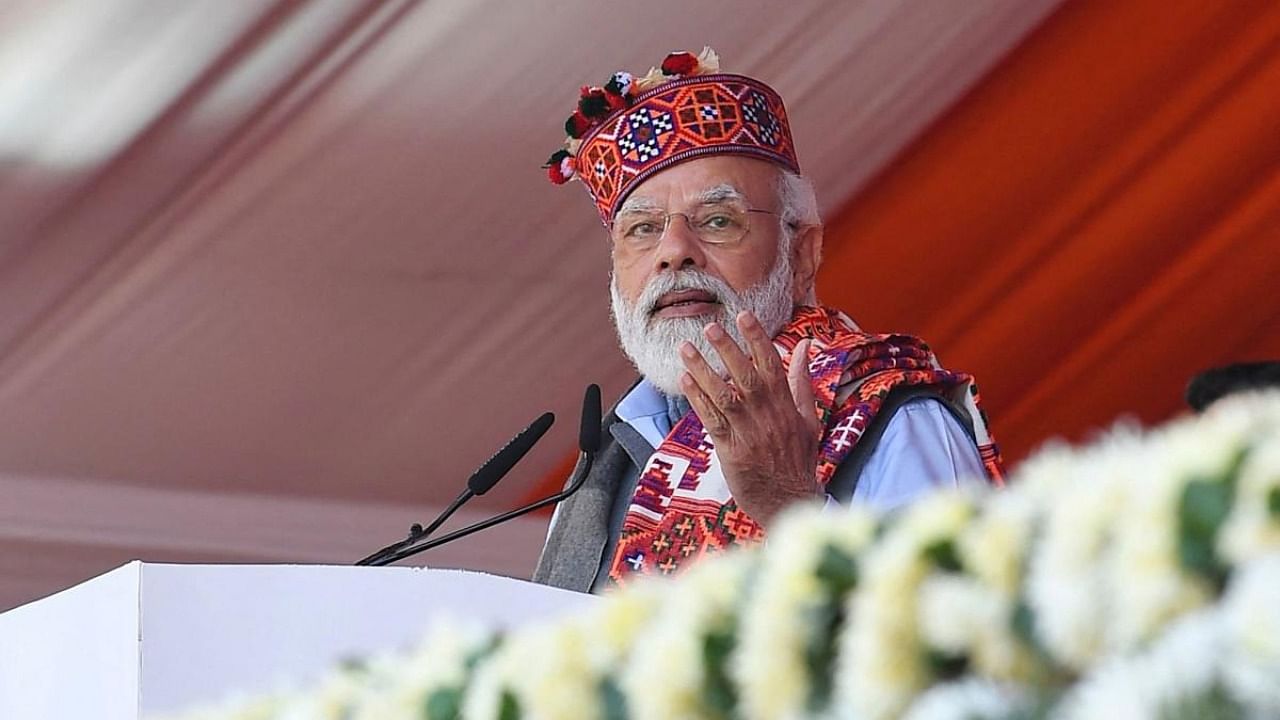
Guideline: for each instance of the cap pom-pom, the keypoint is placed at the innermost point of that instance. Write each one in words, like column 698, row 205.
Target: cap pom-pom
column 577, row 125
column 680, row 64
column 620, row 84
column 595, row 104
column 561, row 167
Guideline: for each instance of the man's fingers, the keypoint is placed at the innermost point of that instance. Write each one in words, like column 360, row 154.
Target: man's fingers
column 708, row 381
column 740, row 368
column 802, row 386
column 763, row 354
column 712, row 419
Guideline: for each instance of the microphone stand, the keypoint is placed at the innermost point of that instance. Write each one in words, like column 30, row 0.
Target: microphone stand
column 480, row 482
column 417, row 532
column 580, row 472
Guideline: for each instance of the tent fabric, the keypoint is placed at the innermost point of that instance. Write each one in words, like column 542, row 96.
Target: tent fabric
column 1097, row 221
column 297, row 257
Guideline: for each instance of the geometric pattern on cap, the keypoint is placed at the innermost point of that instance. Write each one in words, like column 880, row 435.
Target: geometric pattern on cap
column 677, row 121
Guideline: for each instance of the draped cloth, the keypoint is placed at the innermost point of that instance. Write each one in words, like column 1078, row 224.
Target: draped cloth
column 682, row 509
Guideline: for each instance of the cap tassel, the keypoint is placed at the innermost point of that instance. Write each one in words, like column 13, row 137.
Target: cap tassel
column 561, row 167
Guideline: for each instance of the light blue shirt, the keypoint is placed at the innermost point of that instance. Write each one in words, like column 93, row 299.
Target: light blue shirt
column 923, row 447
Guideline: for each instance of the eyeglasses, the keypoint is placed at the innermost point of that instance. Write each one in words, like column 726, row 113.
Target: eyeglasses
column 714, row 224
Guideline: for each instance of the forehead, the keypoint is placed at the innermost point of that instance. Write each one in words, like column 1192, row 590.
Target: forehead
column 690, row 181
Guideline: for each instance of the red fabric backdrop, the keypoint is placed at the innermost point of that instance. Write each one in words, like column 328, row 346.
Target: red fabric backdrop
column 1094, row 223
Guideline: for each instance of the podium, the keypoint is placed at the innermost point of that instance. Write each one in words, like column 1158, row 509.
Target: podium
column 154, row 638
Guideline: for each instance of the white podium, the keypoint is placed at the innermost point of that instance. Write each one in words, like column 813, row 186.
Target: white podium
column 148, row 638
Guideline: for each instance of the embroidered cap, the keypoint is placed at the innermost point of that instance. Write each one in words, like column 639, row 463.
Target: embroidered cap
column 630, row 129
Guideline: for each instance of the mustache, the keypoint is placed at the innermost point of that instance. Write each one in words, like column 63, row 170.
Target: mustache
column 663, row 284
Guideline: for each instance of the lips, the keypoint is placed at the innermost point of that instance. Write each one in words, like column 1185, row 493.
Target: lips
column 685, row 303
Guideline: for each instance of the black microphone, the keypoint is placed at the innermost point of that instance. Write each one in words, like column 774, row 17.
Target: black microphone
column 588, row 446
column 480, row 482
column 589, row 425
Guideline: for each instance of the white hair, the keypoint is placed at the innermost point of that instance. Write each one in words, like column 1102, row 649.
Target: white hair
column 799, row 208
column 798, row 200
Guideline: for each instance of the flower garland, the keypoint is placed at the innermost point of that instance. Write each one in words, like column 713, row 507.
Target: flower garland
column 1138, row 577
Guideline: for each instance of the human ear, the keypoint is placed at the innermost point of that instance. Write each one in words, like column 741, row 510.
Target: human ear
column 806, row 257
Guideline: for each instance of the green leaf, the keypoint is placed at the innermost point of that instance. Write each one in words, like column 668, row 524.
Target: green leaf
column 1215, row 704
column 510, row 707
column 613, row 700
column 718, row 689
column 837, row 570
column 943, row 555
column 1273, row 502
column 946, row 666
column 824, row 623
column 1024, row 622
column 1202, row 509
column 354, row 664
column 444, row 704
column 482, row 652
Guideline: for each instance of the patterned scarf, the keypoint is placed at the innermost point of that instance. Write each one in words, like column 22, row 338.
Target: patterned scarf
column 682, row 509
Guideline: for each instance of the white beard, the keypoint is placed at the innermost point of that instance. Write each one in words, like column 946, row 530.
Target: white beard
column 652, row 344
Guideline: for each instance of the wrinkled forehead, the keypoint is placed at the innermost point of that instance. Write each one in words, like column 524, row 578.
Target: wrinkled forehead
column 722, row 178
column 724, row 193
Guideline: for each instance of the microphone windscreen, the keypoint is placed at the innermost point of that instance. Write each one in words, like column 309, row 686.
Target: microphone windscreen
column 501, row 463
column 589, row 431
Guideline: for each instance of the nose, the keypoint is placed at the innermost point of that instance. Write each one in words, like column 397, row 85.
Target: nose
column 679, row 247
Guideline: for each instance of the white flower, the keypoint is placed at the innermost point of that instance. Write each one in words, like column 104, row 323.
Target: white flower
column 994, row 546
column 615, row 623
column 961, row 617
column 971, row 699
column 332, row 699
column 667, row 675
column 881, row 664
column 1253, row 528
column 399, row 688
column 1147, row 584
column 1182, row 666
column 777, row 622
column 1251, row 668
column 1067, row 580
column 544, row 668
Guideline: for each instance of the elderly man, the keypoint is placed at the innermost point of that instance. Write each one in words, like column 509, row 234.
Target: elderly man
column 753, row 396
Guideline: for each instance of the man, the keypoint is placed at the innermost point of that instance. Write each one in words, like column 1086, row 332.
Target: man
column 753, row 396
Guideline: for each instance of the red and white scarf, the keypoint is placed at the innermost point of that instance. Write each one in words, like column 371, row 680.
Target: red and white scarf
column 682, row 509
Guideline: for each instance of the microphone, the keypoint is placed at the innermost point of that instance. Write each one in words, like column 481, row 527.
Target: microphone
column 589, row 425
column 480, row 482
column 588, row 446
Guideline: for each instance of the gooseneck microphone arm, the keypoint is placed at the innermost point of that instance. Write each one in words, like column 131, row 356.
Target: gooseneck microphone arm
column 417, row 532
column 480, row 482
column 588, row 445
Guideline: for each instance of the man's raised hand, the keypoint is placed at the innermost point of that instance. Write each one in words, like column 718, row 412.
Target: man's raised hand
column 763, row 420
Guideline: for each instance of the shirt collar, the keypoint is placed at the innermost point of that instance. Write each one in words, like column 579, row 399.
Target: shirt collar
column 644, row 400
